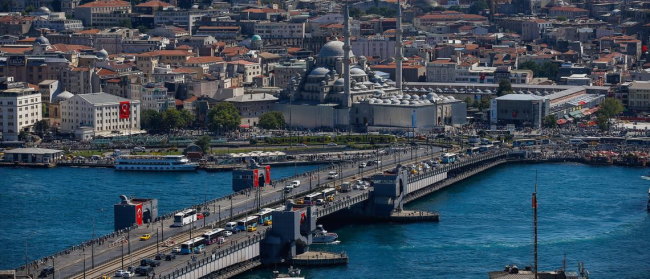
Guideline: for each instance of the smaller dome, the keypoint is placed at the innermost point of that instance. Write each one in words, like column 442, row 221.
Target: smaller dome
column 44, row 10
column 63, row 96
column 320, row 71
column 42, row 41
column 195, row 7
column 357, row 72
column 256, row 38
column 339, row 82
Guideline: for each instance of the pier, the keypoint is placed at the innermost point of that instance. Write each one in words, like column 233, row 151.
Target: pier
column 391, row 188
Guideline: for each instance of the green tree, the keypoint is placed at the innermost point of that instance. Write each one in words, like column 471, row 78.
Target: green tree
column 504, row 87
column 609, row 108
column 547, row 69
column 455, row 8
column 223, row 117
column 477, row 7
column 484, row 103
column 172, row 119
column 561, row 18
column 272, row 120
column 356, row 13
column 204, row 143
column 469, row 102
column 151, row 120
column 23, row 135
column 41, row 127
column 187, row 119
column 550, row 121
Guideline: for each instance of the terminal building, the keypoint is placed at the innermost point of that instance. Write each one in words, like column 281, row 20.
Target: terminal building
column 252, row 176
column 134, row 211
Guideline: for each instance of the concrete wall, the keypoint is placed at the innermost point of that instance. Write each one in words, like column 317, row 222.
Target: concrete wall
column 217, row 262
column 417, row 185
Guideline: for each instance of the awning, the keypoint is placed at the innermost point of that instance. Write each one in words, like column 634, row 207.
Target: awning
column 244, row 126
column 561, row 121
column 576, row 114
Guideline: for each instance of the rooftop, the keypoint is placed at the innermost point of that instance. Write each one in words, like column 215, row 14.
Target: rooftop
column 106, row 3
column 40, row 151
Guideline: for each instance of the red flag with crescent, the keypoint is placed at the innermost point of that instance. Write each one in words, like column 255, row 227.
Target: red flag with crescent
column 267, row 175
column 125, row 109
column 138, row 214
column 256, row 178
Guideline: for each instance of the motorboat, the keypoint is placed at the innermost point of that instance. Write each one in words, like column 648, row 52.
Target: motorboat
column 321, row 236
column 293, row 273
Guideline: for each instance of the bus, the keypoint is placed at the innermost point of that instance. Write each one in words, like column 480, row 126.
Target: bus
column 212, row 237
column 243, row 224
column 184, row 217
column 328, row 194
column 195, row 245
column 473, row 150
column 448, row 158
column 264, row 216
column 311, row 198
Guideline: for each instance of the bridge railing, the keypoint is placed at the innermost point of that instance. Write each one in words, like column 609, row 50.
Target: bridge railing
column 340, row 204
column 214, row 256
column 448, row 167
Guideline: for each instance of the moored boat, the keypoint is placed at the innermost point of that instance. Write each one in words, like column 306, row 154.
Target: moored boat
column 322, row 236
column 154, row 163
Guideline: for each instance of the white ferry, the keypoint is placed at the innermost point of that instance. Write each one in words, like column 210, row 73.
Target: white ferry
column 154, row 163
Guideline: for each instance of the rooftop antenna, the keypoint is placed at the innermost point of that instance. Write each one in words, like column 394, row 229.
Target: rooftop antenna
column 534, row 202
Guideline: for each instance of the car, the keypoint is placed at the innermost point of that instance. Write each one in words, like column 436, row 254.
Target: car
column 46, row 272
column 176, row 250
column 362, row 165
column 145, row 236
column 251, row 229
column 268, row 223
column 149, row 262
column 227, row 233
column 170, row 257
column 206, row 213
column 377, row 162
column 123, row 273
column 159, row 257
column 295, row 183
column 143, row 270
column 332, row 144
column 199, row 216
column 139, row 149
column 320, row 202
column 288, row 188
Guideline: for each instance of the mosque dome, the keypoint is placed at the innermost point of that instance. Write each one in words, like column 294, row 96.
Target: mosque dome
column 339, row 82
column 320, row 71
column 333, row 49
column 256, row 38
column 357, row 72
column 44, row 10
column 42, row 41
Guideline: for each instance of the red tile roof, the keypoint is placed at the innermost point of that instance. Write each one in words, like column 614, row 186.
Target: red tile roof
column 204, row 59
column 15, row 50
column 89, row 31
column 263, row 11
column 105, row 72
column 154, row 4
column 106, row 3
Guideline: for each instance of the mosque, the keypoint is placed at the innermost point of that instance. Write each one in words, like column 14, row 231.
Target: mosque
column 340, row 92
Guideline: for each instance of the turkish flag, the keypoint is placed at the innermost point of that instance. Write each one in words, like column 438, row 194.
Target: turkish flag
column 138, row 214
column 267, row 176
column 125, row 109
column 256, row 178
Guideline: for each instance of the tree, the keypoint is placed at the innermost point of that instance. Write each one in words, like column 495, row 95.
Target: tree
column 477, row 7
column 484, row 103
column 469, row 102
column 143, row 29
column 151, row 120
column 223, row 117
column 187, row 119
column 23, row 135
column 454, row 8
column 41, row 127
column 172, row 119
column 547, row 69
column 504, row 88
column 550, row 121
column 609, row 108
column 356, row 13
column 272, row 120
column 204, row 143
column 561, row 18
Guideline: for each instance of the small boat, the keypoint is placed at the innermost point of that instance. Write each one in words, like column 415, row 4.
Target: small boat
column 321, row 236
column 293, row 273
column 648, row 207
column 646, row 177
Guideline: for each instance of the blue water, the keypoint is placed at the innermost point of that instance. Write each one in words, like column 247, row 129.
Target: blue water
column 596, row 215
column 46, row 210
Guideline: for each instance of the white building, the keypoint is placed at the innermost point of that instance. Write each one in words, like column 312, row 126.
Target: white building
column 98, row 114
column 155, row 97
column 280, row 30
column 374, row 47
column 20, row 108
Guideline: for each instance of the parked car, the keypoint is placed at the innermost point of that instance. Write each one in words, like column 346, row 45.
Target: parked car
column 295, row 183
column 332, row 144
column 149, row 262
column 362, row 165
column 159, row 257
column 227, row 233
column 288, row 188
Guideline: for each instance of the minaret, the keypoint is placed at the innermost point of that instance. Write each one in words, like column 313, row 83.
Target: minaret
column 347, row 102
column 398, row 48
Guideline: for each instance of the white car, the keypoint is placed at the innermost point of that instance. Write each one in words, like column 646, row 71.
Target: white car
column 288, row 188
column 176, row 250
column 362, row 165
column 227, row 233
column 332, row 144
column 295, row 183
column 123, row 273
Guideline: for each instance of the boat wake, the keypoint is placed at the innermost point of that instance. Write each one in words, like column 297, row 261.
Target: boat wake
column 328, row 243
column 645, row 177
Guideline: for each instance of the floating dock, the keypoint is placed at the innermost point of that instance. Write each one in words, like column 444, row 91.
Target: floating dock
column 312, row 258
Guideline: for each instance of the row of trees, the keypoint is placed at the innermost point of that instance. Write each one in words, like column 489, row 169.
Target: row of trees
column 169, row 120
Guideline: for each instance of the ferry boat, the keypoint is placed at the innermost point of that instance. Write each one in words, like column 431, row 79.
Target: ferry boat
column 323, row 236
column 154, row 163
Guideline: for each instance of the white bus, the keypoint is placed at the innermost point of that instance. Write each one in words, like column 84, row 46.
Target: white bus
column 243, row 224
column 184, row 217
column 328, row 194
column 311, row 198
column 195, row 245
column 213, row 236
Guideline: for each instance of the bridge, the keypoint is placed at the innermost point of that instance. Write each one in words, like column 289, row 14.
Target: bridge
column 291, row 231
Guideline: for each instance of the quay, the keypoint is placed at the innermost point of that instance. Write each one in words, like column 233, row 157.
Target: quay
column 289, row 236
column 312, row 258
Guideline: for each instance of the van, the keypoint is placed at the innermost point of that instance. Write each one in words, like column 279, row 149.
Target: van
column 231, row 226
column 345, row 187
column 295, row 183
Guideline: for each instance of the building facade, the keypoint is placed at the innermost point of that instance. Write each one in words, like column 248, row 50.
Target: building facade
column 20, row 108
column 100, row 113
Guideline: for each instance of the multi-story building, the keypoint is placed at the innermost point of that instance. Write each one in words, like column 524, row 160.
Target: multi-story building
column 151, row 7
column 246, row 68
column 639, row 96
column 154, row 96
column 79, row 80
column 15, row 24
column 88, row 11
column 568, row 12
column 252, row 106
column 99, row 114
column 277, row 31
column 375, row 46
column 20, row 108
column 441, row 70
column 59, row 24
column 181, row 18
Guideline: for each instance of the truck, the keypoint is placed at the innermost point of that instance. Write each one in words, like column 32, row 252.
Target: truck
column 346, row 187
